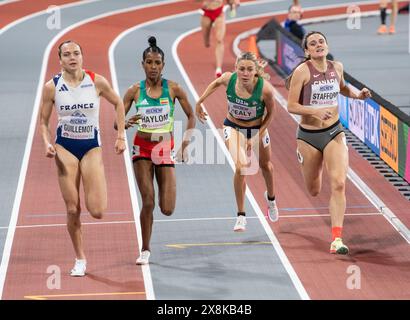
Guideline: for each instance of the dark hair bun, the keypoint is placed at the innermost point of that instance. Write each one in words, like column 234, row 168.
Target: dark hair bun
column 152, row 41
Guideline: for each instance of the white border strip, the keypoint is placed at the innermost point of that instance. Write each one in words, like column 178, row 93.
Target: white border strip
column 33, row 122
column 188, row 220
column 39, row 13
column 7, row 2
column 397, row 224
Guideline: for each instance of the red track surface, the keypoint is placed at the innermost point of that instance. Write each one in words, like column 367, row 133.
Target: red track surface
column 16, row 10
column 382, row 255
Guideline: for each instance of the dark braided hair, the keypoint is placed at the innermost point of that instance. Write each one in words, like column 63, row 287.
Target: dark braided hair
column 153, row 48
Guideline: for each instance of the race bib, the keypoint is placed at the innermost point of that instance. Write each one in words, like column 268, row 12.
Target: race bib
column 227, row 133
column 241, row 112
column 266, row 139
column 324, row 93
column 77, row 128
column 154, row 117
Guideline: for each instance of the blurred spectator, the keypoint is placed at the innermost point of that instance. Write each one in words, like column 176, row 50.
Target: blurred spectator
column 291, row 23
column 404, row 9
column 383, row 14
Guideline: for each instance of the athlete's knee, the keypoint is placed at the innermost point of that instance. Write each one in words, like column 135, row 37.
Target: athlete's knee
column 148, row 203
column 73, row 217
column 314, row 190
column 338, row 185
column 220, row 41
column 167, row 210
column 73, row 211
column 97, row 213
column 97, row 210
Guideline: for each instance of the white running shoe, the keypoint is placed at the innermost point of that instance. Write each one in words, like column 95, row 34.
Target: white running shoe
column 240, row 224
column 79, row 268
column 143, row 258
column 273, row 212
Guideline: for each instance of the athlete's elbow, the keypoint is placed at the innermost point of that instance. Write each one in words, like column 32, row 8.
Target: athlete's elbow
column 291, row 107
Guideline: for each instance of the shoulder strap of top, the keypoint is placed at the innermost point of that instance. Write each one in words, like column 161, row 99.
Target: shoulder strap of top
column 232, row 82
column 142, row 85
column 56, row 78
column 165, row 87
column 91, row 74
column 257, row 94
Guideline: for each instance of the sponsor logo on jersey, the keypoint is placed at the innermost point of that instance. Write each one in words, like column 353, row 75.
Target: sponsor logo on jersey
column 241, row 102
column 163, row 101
column 144, row 102
column 326, row 88
column 153, row 110
column 78, row 118
column 327, row 81
column 86, row 85
column 77, row 106
column 63, row 88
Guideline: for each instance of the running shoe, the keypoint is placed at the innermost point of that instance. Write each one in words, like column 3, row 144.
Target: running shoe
column 273, row 212
column 79, row 268
column 392, row 30
column 240, row 224
column 143, row 258
column 382, row 29
column 232, row 13
column 218, row 72
column 338, row 247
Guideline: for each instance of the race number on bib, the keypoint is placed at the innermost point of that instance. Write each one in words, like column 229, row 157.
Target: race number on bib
column 73, row 131
column 324, row 93
column 154, row 117
column 241, row 112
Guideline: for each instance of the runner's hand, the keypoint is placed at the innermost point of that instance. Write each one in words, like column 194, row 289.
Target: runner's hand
column 364, row 94
column 50, row 151
column 135, row 119
column 182, row 154
column 120, row 145
column 200, row 113
column 323, row 114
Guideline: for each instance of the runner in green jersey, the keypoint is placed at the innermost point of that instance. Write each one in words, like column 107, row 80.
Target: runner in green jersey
column 250, row 111
column 154, row 143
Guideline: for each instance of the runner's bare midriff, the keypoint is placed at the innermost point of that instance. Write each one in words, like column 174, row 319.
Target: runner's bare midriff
column 313, row 123
column 212, row 4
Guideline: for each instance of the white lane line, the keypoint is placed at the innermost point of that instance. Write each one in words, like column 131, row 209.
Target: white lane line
column 282, row 216
column 397, row 224
column 64, row 225
column 8, row 2
column 33, row 121
column 46, row 215
column 189, row 220
column 39, row 13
